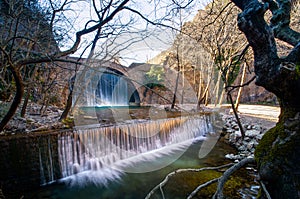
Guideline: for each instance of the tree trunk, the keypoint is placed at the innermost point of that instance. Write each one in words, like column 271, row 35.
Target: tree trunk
column 175, row 91
column 68, row 107
column 199, row 91
column 222, row 96
column 177, row 80
column 277, row 154
column 238, row 97
column 217, row 88
column 17, row 99
column 278, row 157
column 25, row 103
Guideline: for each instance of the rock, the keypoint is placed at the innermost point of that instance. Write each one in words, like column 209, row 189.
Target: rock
column 251, row 156
column 257, row 127
column 242, row 148
column 21, row 127
column 259, row 137
column 231, row 156
column 248, row 127
column 229, row 130
column 250, row 145
column 30, row 120
column 246, row 147
column 233, row 137
column 252, row 133
column 21, row 119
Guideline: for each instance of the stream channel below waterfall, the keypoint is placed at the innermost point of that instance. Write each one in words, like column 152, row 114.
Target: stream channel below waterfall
column 126, row 160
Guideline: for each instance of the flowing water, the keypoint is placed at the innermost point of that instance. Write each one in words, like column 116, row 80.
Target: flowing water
column 126, row 160
column 111, row 90
column 101, row 159
column 97, row 148
column 109, row 183
column 101, row 87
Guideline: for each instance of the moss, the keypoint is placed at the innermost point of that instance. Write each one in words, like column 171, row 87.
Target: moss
column 266, row 142
column 259, row 194
column 68, row 122
column 181, row 185
column 297, row 70
column 268, row 150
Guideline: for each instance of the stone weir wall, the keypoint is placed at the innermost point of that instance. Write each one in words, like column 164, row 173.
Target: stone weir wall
column 27, row 161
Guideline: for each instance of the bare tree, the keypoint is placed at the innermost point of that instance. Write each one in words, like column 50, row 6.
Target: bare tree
column 30, row 44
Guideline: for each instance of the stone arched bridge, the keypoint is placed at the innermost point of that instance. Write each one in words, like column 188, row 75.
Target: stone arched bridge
column 138, row 90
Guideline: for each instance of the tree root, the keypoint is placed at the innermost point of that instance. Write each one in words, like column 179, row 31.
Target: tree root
column 221, row 180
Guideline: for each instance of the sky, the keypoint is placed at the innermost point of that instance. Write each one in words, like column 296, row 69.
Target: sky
column 140, row 41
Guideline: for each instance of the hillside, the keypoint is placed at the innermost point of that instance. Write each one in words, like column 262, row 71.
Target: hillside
column 196, row 52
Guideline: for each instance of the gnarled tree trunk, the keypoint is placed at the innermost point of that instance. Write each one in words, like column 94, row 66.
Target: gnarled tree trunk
column 277, row 154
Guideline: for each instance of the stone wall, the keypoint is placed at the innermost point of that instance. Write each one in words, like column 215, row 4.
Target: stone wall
column 27, row 161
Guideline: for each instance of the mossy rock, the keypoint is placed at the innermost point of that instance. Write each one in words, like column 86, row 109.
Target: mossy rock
column 278, row 159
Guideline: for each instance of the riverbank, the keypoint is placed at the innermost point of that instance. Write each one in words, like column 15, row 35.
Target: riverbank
column 256, row 120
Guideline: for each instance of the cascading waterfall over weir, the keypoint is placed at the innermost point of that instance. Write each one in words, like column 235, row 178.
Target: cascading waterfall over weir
column 116, row 149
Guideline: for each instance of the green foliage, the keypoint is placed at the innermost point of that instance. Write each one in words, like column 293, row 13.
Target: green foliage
column 154, row 77
column 297, row 69
column 68, row 122
column 266, row 143
column 232, row 66
column 234, row 71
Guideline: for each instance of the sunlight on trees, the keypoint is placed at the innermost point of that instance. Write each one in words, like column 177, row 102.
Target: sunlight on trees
column 38, row 38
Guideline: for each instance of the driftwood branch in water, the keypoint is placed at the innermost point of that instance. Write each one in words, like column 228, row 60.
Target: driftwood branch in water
column 228, row 173
column 265, row 190
column 201, row 187
column 160, row 185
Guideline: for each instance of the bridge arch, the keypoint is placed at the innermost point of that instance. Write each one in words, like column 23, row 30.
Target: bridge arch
column 106, row 84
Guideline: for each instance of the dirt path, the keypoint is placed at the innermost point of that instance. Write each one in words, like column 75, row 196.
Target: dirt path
column 267, row 116
column 265, row 112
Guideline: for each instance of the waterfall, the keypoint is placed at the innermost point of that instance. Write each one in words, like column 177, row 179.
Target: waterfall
column 112, row 90
column 101, row 148
column 102, row 87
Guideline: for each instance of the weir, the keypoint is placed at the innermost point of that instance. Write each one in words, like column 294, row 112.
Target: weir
column 100, row 148
column 99, row 154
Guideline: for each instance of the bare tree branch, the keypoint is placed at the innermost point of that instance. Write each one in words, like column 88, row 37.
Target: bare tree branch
column 280, row 22
column 228, row 173
column 164, row 182
column 202, row 186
